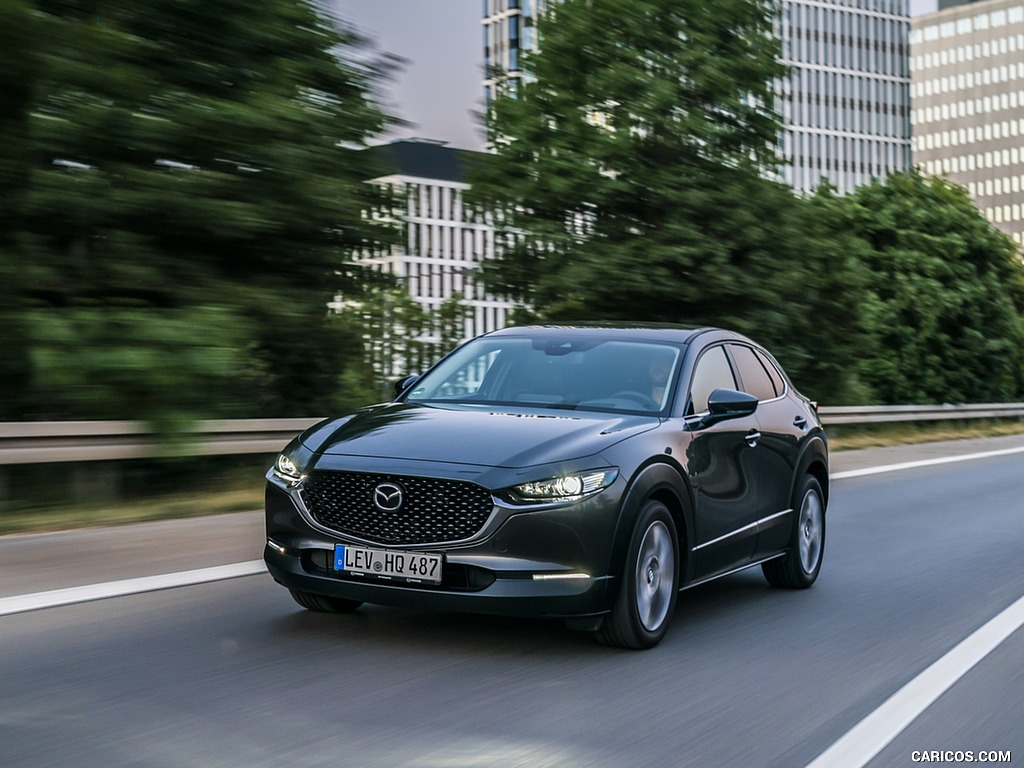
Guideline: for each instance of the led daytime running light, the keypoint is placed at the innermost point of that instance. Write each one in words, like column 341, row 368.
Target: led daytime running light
column 285, row 469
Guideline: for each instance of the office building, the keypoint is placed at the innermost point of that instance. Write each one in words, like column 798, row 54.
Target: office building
column 968, row 96
column 509, row 28
column 443, row 242
column 845, row 105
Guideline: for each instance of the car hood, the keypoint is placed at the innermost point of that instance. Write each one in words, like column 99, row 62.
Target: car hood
column 494, row 436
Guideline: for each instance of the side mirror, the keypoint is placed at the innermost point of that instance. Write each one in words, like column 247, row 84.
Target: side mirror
column 725, row 404
column 403, row 384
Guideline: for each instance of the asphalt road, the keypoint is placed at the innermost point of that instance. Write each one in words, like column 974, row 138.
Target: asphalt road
column 232, row 673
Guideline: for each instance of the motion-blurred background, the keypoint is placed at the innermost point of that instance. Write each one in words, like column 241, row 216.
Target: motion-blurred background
column 224, row 210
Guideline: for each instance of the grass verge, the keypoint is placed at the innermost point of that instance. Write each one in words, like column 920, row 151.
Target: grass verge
column 117, row 512
column 852, row 438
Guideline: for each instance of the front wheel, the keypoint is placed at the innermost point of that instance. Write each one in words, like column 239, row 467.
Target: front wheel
column 799, row 567
column 647, row 593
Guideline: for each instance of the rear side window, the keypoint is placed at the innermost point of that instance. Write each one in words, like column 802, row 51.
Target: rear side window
column 756, row 380
column 776, row 376
column 713, row 372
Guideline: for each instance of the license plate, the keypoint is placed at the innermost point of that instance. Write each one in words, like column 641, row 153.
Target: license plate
column 419, row 567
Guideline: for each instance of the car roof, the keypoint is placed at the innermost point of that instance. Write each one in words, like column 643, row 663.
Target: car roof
column 666, row 332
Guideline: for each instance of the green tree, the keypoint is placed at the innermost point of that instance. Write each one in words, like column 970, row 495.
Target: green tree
column 19, row 67
column 394, row 325
column 630, row 181
column 400, row 336
column 618, row 140
column 450, row 323
column 198, row 179
column 943, row 301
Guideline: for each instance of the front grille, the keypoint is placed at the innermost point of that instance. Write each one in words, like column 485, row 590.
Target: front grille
column 432, row 510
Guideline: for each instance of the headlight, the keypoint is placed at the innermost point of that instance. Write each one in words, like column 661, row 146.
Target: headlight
column 565, row 488
column 285, row 469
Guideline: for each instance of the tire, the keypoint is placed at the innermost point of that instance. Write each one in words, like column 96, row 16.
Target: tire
column 799, row 567
column 649, row 585
column 324, row 603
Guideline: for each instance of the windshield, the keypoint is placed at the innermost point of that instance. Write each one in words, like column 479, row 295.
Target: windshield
column 555, row 372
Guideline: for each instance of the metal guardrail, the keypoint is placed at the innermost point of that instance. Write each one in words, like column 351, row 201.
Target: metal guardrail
column 28, row 442
column 41, row 442
column 881, row 414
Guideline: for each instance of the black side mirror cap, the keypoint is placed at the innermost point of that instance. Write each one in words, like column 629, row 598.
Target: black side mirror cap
column 725, row 404
column 730, row 402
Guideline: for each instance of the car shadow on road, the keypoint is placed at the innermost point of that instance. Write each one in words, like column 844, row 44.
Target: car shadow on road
column 709, row 608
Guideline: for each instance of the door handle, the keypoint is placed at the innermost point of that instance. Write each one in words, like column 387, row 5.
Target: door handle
column 752, row 437
column 799, row 422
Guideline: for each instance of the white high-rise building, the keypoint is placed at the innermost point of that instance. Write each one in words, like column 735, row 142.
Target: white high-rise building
column 845, row 105
column 443, row 242
column 968, row 88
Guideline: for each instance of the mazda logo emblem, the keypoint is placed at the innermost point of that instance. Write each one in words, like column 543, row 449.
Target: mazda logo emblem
column 387, row 497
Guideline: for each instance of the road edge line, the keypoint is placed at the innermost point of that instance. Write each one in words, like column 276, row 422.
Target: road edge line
column 90, row 592
column 923, row 463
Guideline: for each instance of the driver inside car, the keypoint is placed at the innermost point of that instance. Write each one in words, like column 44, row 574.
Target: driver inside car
column 659, row 367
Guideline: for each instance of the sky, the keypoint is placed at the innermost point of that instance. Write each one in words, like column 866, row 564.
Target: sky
column 441, row 85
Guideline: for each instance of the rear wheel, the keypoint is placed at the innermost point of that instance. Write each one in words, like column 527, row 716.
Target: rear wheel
column 799, row 567
column 324, row 603
column 650, row 582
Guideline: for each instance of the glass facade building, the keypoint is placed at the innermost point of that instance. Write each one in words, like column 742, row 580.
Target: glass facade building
column 968, row 96
column 509, row 28
column 845, row 104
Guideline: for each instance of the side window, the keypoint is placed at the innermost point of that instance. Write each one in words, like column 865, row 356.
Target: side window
column 755, row 378
column 777, row 380
column 713, row 372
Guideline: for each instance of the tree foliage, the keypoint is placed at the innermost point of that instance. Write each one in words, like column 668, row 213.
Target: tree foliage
column 400, row 335
column 945, row 293
column 19, row 69
column 631, row 180
column 195, row 188
column 618, row 140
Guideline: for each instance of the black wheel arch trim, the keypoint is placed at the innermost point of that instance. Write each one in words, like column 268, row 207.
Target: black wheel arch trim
column 813, row 453
column 661, row 480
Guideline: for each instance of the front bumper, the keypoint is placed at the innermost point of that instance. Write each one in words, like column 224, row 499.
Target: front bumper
column 551, row 563
column 521, row 595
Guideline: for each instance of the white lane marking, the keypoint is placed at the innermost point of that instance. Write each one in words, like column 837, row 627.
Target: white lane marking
column 51, row 599
column 871, row 735
column 922, row 463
